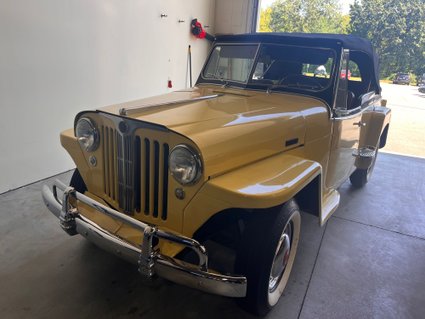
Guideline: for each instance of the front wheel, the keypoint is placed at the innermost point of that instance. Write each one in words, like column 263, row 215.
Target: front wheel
column 266, row 255
column 77, row 182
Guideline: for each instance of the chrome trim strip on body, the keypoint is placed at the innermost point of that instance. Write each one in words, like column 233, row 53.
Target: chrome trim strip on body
column 132, row 110
column 149, row 258
column 352, row 114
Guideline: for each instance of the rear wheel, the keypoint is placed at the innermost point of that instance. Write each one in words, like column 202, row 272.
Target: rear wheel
column 266, row 255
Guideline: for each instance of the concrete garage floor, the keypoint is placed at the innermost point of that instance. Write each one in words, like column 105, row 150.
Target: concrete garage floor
column 406, row 134
column 367, row 262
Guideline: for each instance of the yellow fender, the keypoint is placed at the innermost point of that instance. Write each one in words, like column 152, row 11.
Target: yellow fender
column 264, row 184
column 377, row 121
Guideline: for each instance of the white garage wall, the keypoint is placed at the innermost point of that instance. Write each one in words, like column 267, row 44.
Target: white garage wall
column 236, row 16
column 58, row 57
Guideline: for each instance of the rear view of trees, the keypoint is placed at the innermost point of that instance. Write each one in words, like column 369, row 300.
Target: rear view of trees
column 397, row 31
column 304, row 16
column 395, row 27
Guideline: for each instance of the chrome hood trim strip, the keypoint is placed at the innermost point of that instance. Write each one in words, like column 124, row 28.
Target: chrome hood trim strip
column 133, row 110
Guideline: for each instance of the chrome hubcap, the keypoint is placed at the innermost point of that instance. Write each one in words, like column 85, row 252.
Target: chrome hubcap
column 281, row 258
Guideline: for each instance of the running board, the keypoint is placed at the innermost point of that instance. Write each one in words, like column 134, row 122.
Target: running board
column 365, row 152
column 329, row 205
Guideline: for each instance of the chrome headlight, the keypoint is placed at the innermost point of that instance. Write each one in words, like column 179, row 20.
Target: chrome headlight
column 185, row 165
column 87, row 134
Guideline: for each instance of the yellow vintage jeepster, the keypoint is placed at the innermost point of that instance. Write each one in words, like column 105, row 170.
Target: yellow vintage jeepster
column 204, row 186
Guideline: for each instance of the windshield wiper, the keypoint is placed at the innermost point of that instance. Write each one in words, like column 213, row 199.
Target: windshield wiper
column 225, row 84
column 271, row 87
column 304, row 86
column 217, row 77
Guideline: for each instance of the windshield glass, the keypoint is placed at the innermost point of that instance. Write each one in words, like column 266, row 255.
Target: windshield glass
column 272, row 66
column 292, row 66
column 231, row 63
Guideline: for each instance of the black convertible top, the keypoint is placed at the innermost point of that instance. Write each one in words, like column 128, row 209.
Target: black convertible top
column 324, row 40
column 315, row 39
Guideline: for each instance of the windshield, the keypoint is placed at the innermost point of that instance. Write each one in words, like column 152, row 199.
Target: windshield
column 293, row 66
column 231, row 63
column 271, row 66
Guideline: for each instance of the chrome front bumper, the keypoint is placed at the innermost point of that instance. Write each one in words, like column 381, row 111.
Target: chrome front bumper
column 149, row 260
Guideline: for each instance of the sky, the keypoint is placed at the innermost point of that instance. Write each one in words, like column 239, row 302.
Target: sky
column 344, row 3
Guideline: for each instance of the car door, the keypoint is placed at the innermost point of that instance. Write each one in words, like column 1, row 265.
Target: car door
column 346, row 127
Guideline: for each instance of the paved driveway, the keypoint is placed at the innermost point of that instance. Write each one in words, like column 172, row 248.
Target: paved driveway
column 407, row 129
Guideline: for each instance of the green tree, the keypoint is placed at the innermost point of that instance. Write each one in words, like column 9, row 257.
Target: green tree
column 321, row 16
column 265, row 17
column 396, row 28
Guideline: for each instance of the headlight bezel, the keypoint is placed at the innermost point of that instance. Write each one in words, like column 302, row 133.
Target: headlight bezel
column 95, row 132
column 198, row 162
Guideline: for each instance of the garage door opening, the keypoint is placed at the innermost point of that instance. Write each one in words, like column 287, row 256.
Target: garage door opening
column 405, row 135
column 303, row 16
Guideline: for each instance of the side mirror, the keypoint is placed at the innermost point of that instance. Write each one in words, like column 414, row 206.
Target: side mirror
column 383, row 102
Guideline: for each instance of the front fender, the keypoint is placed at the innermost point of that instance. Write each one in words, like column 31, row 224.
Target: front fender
column 263, row 184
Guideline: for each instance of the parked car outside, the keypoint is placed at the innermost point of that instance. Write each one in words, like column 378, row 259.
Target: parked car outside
column 402, row 78
column 344, row 72
column 422, row 88
column 320, row 71
column 420, row 80
column 205, row 186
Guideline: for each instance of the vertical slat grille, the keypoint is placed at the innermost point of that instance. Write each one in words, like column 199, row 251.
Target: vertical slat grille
column 147, row 175
column 137, row 176
column 166, row 152
column 156, row 179
column 126, row 173
column 110, row 161
column 135, row 172
column 151, row 179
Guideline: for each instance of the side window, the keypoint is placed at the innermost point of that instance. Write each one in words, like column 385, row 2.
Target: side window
column 341, row 95
column 213, row 63
column 359, row 81
column 354, row 72
column 351, row 83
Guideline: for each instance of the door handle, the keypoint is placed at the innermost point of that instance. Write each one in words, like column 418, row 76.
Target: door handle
column 360, row 124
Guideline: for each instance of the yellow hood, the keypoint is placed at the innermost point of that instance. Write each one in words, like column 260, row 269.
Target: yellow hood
column 231, row 128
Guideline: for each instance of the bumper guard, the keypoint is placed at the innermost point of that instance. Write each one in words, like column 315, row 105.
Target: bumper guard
column 149, row 260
